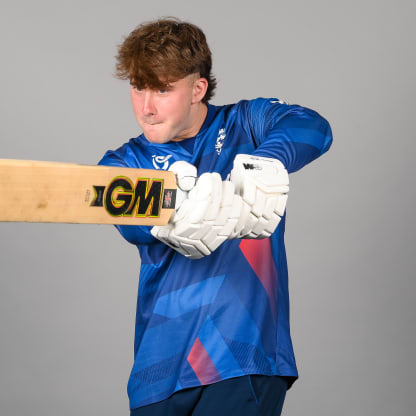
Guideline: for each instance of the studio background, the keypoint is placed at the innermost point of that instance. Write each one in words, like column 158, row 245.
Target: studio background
column 68, row 292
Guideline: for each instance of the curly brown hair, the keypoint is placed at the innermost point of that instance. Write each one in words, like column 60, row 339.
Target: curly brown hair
column 164, row 51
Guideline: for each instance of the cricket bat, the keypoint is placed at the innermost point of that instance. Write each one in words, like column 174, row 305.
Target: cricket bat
column 35, row 191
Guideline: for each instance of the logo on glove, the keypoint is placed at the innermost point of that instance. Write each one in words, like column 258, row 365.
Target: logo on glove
column 250, row 166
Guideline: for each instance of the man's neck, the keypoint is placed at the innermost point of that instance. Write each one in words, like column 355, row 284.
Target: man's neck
column 199, row 117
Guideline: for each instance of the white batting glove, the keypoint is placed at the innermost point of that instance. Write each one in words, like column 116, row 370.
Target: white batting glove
column 204, row 220
column 263, row 183
column 186, row 176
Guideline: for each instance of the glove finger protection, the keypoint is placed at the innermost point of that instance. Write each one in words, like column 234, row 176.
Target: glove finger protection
column 186, row 175
column 263, row 184
column 204, row 220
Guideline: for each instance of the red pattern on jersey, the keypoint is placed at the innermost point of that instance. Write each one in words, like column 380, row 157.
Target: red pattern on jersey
column 202, row 364
column 258, row 253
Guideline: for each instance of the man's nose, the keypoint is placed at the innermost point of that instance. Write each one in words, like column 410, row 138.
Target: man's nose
column 148, row 104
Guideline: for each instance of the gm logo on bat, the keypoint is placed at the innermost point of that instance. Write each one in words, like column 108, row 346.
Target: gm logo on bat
column 144, row 199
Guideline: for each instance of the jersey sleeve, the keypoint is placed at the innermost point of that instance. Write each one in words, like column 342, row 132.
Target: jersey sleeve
column 293, row 134
column 134, row 234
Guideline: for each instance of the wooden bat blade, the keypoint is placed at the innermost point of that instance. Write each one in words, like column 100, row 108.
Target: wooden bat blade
column 35, row 191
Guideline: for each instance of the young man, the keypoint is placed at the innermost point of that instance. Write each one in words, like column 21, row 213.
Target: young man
column 212, row 326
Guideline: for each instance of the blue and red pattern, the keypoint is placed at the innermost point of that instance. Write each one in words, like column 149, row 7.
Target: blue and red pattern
column 226, row 315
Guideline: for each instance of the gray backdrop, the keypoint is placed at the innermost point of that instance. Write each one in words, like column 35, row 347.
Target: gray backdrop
column 68, row 292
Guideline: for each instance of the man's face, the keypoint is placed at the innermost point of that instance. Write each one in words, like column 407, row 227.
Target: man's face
column 169, row 114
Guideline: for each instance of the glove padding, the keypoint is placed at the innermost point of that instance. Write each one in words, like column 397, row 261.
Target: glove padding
column 263, row 183
column 204, row 220
column 185, row 175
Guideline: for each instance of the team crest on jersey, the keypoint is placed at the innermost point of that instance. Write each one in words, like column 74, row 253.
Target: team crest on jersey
column 161, row 162
column 220, row 141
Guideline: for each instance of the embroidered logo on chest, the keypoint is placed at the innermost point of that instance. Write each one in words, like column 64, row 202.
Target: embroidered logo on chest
column 220, row 141
column 161, row 162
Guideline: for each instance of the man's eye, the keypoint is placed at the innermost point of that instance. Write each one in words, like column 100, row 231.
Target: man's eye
column 136, row 89
column 163, row 91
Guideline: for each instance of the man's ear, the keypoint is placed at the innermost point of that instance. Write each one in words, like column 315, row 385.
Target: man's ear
column 199, row 90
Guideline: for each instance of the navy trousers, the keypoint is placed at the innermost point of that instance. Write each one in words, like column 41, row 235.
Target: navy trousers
column 242, row 396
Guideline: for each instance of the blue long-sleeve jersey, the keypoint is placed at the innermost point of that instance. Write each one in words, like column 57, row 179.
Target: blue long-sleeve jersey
column 227, row 314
